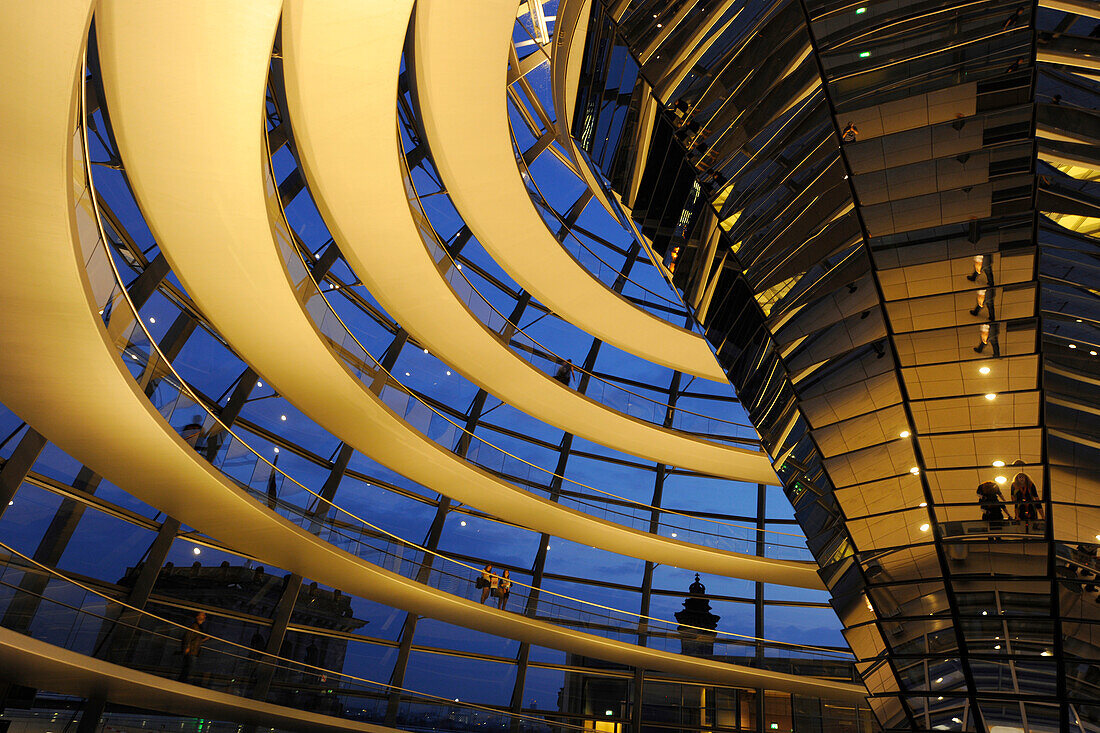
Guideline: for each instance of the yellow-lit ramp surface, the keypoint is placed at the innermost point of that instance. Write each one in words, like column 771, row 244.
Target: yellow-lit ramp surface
column 27, row 661
column 192, row 145
column 60, row 371
column 461, row 68
column 341, row 62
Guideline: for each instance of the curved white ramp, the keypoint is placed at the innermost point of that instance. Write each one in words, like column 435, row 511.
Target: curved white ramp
column 191, row 140
column 60, row 370
column 28, row 661
column 461, row 65
column 341, row 62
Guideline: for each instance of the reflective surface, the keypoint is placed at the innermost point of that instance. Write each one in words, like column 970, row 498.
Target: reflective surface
column 889, row 235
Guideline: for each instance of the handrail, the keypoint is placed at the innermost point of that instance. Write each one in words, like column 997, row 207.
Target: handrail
column 258, row 657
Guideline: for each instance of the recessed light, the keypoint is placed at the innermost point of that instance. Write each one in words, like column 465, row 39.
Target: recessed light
column 152, row 320
column 1092, row 353
column 276, row 450
column 196, row 551
column 462, row 523
column 996, row 646
column 923, row 504
column 425, row 351
column 1001, row 479
column 939, row 680
column 991, row 396
column 904, row 433
column 673, row 534
column 914, row 470
column 259, row 384
column 924, row 527
column 861, row 11
column 998, row 464
column 448, row 373
column 1073, row 346
column 864, row 54
column 282, row 417
column 983, row 370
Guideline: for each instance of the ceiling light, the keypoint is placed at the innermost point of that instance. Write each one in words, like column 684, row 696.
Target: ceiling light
column 998, row 464
column 259, row 384
column 940, row 697
column 11, row 503
column 1073, row 346
column 904, row 433
column 925, row 527
column 448, row 372
column 864, row 54
column 956, row 720
column 1098, row 538
column 196, row 551
column 1001, row 479
column 282, row 417
column 985, row 613
column 939, row 680
column 914, row 470
column 673, row 534
column 612, row 712
column 923, row 504
column 458, row 265
column 1092, row 353
column 276, row 450
column 660, row 26
column 407, row 374
column 425, row 351
column 861, row 11
column 462, row 523
column 991, row 396
column 152, row 320
column 548, row 547
column 983, row 370
column 1044, row 653
column 997, row 646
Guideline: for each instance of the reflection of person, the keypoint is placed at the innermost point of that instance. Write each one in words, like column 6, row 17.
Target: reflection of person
column 991, row 500
column 988, row 336
column 984, row 299
column 849, row 133
column 1026, row 498
column 485, row 582
column 503, row 588
column 565, row 372
column 191, row 645
column 983, row 265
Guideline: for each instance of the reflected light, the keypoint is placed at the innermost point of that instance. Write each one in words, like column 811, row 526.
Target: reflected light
column 925, row 527
column 1000, row 479
column 998, row 464
column 983, row 370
